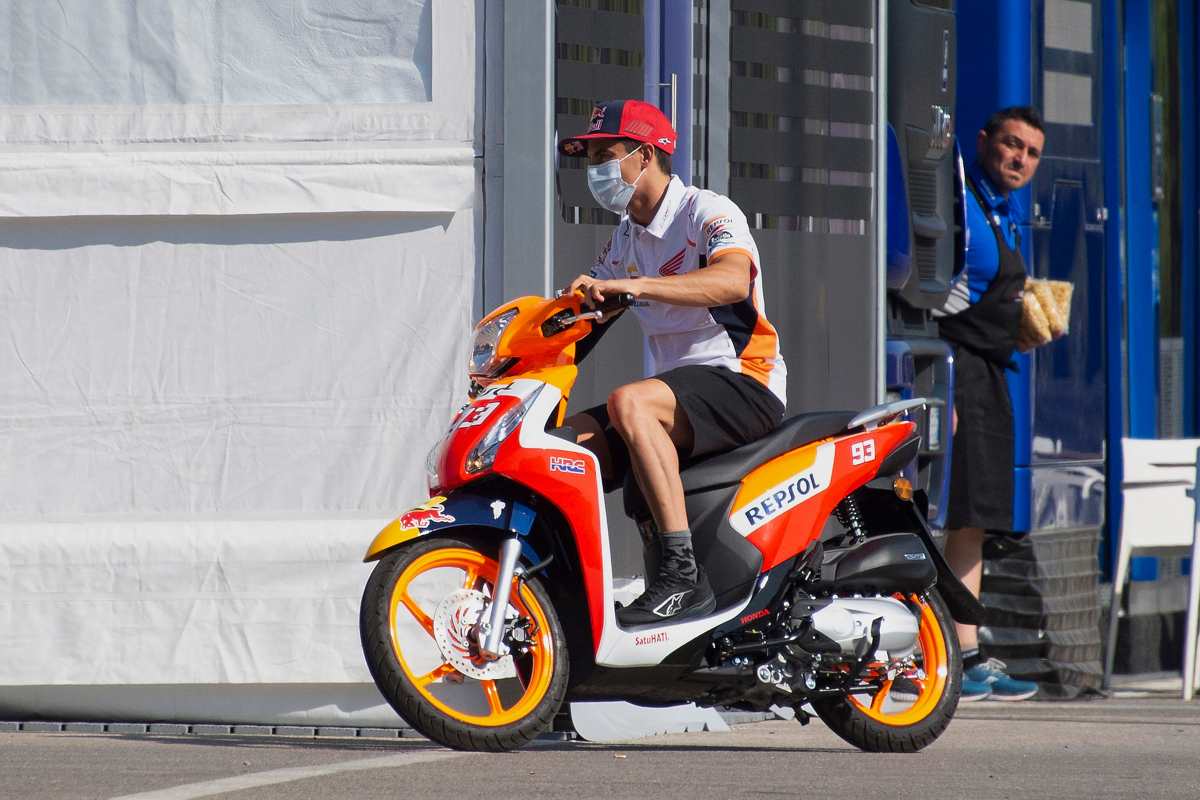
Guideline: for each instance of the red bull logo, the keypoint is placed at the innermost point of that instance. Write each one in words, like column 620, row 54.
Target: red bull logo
column 421, row 517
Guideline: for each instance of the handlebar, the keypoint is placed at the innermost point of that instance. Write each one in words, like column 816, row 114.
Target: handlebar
column 616, row 302
column 564, row 319
column 613, row 303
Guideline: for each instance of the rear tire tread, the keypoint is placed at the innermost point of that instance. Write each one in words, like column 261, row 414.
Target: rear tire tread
column 855, row 727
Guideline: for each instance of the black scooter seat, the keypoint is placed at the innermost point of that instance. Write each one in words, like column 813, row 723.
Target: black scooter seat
column 727, row 469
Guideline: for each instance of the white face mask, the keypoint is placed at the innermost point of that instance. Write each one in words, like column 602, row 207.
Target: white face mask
column 608, row 187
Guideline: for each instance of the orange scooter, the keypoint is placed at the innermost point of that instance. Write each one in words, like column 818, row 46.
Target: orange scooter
column 492, row 601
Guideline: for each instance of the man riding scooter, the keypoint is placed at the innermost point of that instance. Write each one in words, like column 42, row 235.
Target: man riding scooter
column 719, row 380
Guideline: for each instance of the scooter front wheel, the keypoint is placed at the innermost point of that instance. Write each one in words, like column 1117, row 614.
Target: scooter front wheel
column 417, row 622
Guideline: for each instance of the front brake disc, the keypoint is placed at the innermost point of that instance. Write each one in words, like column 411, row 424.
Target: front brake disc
column 454, row 621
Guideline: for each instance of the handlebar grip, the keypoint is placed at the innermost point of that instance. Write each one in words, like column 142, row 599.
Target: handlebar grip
column 618, row 301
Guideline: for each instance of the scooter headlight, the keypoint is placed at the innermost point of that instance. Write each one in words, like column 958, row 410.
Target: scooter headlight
column 433, row 458
column 483, row 455
column 483, row 352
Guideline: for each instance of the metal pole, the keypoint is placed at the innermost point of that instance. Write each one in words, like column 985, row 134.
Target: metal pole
column 528, row 193
column 881, row 178
column 674, row 100
column 677, row 32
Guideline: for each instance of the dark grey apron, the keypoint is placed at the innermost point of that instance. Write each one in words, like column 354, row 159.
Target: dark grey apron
column 984, row 338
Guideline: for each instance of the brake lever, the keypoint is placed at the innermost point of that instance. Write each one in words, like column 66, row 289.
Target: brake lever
column 571, row 320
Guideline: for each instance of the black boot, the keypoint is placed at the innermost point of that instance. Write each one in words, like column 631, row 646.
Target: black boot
column 680, row 589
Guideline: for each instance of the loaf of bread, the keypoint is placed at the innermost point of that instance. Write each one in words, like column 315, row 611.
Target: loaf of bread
column 1045, row 298
column 1063, row 292
column 1045, row 312
column 1035, row 327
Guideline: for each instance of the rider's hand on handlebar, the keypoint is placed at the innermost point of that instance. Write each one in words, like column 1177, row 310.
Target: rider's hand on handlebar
column 595, row 292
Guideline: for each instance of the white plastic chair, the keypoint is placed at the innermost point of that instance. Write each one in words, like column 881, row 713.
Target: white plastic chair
column 1160, row 517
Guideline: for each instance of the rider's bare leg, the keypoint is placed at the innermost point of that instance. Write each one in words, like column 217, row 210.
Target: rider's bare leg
column 654, row 428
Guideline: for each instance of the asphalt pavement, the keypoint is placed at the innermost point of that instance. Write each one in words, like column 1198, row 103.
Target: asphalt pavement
column 1140, row 747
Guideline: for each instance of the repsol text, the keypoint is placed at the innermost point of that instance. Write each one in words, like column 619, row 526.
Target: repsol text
column 783, row 498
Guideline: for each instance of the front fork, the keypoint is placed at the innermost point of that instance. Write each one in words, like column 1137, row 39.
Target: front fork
column 492, row 629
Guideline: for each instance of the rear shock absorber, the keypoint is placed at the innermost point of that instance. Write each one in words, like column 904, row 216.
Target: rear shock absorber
column 848, row 514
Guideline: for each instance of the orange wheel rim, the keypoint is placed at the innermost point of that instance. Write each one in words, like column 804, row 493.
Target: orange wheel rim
column 929, row 689
column 539, row 661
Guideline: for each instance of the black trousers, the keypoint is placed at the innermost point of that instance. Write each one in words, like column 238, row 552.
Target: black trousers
column 725, row 409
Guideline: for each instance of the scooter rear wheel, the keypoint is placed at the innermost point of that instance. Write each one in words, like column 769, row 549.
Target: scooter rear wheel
column 876, row 722
column 417, row 613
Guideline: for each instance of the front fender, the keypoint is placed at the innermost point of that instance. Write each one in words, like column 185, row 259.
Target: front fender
column 458, row 509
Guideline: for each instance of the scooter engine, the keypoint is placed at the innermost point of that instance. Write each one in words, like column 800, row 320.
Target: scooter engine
column 852, row 623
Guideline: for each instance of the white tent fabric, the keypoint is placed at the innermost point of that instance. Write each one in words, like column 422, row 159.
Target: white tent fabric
column 238, row 242
column 183, row 602
column 381, row 179
column 219, row 52
column 231, row 366
column 203, row 422
column 236, row 107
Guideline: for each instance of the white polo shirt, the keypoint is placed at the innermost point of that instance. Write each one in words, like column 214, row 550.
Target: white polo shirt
column 692, row 227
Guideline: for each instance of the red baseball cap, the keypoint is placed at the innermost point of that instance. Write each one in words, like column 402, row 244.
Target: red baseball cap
column 623, row 119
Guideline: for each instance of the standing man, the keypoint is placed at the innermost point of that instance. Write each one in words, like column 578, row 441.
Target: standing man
column 687, row 256
column 980, row 319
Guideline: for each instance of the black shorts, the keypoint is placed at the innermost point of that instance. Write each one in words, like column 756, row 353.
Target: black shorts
column 726, row 410
column 981, row 464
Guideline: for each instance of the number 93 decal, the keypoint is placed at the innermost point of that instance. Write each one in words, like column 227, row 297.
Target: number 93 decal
column 862, row 452
column 478, row 414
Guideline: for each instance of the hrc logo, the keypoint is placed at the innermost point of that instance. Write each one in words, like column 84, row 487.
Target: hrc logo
column 574, row 466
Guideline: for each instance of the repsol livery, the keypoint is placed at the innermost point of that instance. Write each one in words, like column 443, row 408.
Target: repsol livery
column 492, row 601
column 813, row 465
